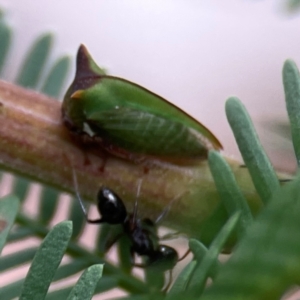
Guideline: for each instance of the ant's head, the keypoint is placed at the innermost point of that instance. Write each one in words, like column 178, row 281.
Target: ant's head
column 111, row 207
column 164, row 258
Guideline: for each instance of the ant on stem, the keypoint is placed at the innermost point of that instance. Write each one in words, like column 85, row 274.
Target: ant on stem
column 141, row 232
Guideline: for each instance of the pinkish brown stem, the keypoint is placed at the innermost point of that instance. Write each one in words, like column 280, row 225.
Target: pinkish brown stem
column 34, row 143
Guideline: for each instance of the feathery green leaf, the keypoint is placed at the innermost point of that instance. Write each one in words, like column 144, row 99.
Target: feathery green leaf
column 56, row 77
column 9, row 207
column 5, row 38
column 35, row 61
column 291, row 82
column 259, row 166
column 86, row 285
column 46, row 262
column 201, row 273
column 230, row 193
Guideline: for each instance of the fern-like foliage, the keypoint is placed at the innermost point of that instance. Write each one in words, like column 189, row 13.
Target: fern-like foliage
column 264, row 264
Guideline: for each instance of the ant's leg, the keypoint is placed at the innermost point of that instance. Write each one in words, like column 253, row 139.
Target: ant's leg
column 137, row 265
column 167, row 209
column 96, row 221
column 163, row 214
column 184, row 255
column 280, row 180
column 172, row 236
column 165, row 289
column 141, row 266
column 285, row 180
column 135, row 210
column 132, row 258
column 112, row 241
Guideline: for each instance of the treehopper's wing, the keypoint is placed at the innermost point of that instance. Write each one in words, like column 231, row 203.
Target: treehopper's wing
column 145, row 133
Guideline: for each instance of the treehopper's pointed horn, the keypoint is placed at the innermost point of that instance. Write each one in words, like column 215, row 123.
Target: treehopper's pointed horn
column 83, row 68
column 85, row 65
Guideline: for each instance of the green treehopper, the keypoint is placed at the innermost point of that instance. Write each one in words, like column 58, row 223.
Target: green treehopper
column 130, row 121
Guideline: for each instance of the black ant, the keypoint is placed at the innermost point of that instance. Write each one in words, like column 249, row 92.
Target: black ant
column 141, row 232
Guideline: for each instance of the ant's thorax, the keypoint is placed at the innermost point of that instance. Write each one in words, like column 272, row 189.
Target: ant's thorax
column 141, row 234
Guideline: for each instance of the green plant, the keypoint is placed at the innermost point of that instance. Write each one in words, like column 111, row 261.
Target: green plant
column 263, row 265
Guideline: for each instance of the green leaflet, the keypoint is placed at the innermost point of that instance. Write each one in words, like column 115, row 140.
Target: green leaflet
column 260, row 168
column 5, row 37
column 86, row 285
column 291, row 82
column 230, row 193
column 209, row 261
column 105, row 284
column 35, row 62
column 56, row 77
column 8, row 210
column 181, row 282
column 48, row 258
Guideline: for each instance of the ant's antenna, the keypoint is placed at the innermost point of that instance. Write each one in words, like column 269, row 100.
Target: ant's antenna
column 167, row 209
column 77, row 193
column 136, row 199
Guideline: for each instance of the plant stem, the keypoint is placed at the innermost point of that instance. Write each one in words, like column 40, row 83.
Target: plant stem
column 34, row 143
